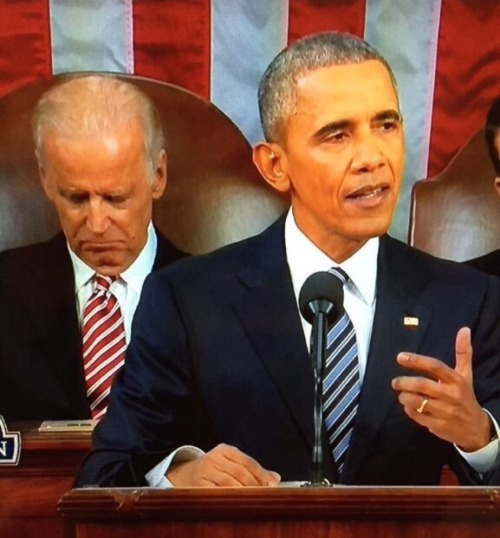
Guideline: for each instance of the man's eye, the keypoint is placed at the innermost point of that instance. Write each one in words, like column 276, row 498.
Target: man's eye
column 338, row 136
column 76, row 199
column 388, row 125
column 115, row 200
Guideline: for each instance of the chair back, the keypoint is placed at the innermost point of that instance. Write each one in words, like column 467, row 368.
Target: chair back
column 214, row 194
column 456, row 214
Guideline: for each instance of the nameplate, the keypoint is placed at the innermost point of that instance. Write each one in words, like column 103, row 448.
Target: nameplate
column 67, row 426
column 10, row 445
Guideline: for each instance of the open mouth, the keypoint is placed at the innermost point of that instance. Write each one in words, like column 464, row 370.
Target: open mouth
column 370, row 195
column 369, row 191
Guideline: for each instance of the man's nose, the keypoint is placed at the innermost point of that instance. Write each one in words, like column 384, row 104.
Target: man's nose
column 368, row 154
column 97, row 217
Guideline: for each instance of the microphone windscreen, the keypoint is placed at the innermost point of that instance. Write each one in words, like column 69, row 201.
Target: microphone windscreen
column 318, row 288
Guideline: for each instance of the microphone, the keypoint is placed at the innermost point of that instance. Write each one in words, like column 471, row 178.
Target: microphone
column 321, row 303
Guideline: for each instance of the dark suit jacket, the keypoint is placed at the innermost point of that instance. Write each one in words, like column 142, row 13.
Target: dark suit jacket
column 218, row 355
column 41, row 365
column 490, row 263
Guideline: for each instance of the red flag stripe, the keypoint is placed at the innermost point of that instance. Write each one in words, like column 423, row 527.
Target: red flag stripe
column 25, row 48
column 467, row 75
column 172, row 42
column 309, row 16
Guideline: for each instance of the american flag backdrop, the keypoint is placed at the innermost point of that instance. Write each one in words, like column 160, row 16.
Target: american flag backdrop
column 445, row 54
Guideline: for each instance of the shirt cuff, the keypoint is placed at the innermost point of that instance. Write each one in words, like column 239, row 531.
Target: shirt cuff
column 156, row 478
column 485, row 459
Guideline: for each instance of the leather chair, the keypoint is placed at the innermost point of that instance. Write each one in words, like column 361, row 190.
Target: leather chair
column 214, row 194
column 456, row 214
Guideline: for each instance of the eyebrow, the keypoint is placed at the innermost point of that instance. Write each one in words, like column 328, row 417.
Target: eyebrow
column 388, row 115
column 340, row 125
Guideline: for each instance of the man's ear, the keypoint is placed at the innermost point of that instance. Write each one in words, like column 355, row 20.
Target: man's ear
column 497, row 184
column 160, row 181
column 270, row 159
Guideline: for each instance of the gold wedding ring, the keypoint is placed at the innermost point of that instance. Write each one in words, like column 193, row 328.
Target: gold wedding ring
column 421, row 407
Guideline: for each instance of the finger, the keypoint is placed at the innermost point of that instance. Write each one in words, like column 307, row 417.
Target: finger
column 227, row 473
column 415, row 402
column 246, row 469
column 463, row 353
column 429, row 366
column 418, row 386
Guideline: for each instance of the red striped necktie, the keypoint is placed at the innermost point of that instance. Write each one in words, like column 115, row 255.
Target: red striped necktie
column 104, row 344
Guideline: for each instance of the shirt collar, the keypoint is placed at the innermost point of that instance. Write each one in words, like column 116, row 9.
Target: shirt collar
column 133, row 277
column 305, row 258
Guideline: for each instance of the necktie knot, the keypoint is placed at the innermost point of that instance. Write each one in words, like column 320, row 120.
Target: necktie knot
column 340, row 274
column 103, row 283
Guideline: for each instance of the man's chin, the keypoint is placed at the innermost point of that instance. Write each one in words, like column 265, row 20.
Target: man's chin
column 106, row 264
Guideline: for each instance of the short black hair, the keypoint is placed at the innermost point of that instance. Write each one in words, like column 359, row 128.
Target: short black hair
column 277, row 89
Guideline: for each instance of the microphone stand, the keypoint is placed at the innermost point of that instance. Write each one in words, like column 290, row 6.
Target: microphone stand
column 318, row 356
column 320, row 302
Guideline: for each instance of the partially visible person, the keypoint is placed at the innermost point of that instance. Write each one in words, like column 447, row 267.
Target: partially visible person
column 67, row 303
column 490, row 263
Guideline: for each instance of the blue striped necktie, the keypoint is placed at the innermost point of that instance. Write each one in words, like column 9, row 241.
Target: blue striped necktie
column 341, row 383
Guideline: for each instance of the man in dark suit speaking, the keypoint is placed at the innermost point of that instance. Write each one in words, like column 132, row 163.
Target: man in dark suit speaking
column 218, row 386
column 102, row 161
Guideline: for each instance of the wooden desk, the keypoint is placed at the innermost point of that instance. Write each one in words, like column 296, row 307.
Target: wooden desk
column 29, row 492
column 340, row 512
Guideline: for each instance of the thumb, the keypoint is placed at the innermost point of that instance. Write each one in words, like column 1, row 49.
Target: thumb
column 463, row 354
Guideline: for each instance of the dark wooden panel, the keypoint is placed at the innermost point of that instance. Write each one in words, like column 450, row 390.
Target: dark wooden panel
column 29, row 492
column 341, row 512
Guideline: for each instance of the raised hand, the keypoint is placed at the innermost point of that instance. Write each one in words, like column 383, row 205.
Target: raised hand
column 442, row 398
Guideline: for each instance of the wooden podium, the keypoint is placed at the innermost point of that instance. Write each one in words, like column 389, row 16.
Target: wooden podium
column 30, row 491
column 340, row 512
column 29, row 495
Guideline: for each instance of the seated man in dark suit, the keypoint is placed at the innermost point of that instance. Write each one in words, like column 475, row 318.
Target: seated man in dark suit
column 102, row 161
column 218, row 389
column 490, row 263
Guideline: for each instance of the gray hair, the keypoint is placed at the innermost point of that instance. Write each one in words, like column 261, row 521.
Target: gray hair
column 88, row 105
column 277, row 89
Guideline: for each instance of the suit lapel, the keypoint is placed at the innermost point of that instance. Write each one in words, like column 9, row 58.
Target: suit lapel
column 53, row 304
column 268, row 312
column 55, row 319
column 398, row 285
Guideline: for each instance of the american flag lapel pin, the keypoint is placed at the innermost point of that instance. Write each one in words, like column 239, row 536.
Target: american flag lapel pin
column 410, row 322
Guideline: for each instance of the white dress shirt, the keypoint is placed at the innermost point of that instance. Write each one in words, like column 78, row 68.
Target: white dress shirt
column 126, row 289
column 305, row 258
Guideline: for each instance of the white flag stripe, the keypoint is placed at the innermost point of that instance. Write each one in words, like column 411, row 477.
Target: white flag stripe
column 95, row 35
column 406, row 34
column 260, row 29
